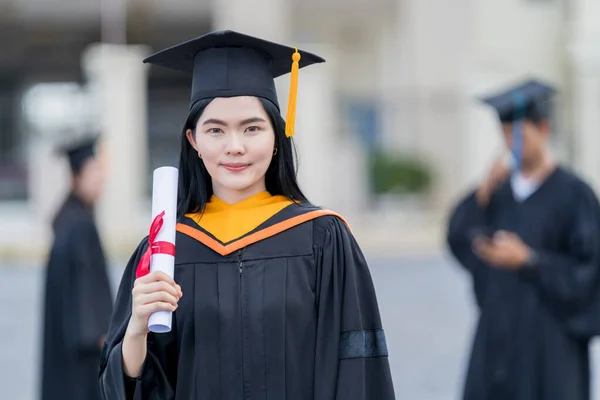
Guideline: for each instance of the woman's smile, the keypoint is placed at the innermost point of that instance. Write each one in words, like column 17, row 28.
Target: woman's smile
column 235, row 167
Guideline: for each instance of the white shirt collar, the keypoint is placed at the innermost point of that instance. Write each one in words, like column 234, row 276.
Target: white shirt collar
column 523, row 187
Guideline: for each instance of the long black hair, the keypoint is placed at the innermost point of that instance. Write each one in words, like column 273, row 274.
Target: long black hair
column 195, row 185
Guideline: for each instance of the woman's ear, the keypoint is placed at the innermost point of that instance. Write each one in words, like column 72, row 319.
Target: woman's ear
column 190, row 137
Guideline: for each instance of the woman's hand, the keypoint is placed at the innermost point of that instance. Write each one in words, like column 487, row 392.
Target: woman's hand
column 153, row 292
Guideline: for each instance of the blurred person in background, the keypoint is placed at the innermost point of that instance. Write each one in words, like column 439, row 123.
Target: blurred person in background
column 274, row 298
column 530, row 240
column 78, row 299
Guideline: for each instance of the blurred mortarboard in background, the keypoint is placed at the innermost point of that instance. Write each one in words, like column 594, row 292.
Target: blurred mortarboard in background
column 79, row 151
column 528, row 100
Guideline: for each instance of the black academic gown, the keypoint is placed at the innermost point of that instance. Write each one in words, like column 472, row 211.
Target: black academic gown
column 528, row 345
column 78, row 306
column 288, row 311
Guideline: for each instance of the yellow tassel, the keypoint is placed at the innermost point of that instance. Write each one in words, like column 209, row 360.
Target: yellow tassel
column 290, row 120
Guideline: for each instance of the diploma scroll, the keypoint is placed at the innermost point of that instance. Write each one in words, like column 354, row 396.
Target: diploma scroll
column 162, row 258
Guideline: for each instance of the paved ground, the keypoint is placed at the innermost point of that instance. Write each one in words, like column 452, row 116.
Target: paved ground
column 425, row 304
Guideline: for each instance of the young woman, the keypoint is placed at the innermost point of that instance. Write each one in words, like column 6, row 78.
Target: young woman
column 272, row 297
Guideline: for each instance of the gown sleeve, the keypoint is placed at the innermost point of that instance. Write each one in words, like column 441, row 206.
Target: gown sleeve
column 467, row 220
column 351, row 360
column 569, row 277
column 159, row 370
column 64, row 275
column 88, row 303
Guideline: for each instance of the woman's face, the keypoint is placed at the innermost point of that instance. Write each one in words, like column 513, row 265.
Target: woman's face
column 236, row 141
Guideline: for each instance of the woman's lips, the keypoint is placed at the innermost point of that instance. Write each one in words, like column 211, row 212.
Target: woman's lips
column 235, row 167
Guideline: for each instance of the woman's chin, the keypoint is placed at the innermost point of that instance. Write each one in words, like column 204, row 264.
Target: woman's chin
column 237, row 183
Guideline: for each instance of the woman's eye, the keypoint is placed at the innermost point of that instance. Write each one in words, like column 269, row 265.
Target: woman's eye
column 252, row 129
column 215, row 130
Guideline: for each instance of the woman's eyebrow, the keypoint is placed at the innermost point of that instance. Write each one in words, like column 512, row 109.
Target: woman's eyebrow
column 214, row 121
column 252, row 120
column 223, row 123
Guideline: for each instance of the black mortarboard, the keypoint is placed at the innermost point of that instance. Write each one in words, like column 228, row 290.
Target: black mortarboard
column 529, row 100
column 228, row 64
column 79, row 152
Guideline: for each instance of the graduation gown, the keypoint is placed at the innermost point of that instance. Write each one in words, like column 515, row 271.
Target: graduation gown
column 529, row 342
column 286, row 311
column 78, row 306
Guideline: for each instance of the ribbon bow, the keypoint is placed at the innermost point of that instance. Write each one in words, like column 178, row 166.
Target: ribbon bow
column 154, row 247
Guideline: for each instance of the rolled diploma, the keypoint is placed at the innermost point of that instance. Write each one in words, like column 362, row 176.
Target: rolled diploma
column 164, row 198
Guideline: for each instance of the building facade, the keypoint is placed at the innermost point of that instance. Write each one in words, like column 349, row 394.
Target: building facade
column 401, row 75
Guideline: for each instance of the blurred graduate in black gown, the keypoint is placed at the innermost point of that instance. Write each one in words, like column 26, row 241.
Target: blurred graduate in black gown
column 78, row 299
column 530, row 239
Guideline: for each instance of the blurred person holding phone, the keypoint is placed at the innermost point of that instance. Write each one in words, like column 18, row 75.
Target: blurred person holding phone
column 529, row 236
column 78, row 299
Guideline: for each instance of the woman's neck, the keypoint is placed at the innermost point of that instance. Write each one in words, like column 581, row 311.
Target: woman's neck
column 232, row 196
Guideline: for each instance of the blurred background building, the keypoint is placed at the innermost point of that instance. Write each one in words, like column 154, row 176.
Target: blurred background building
column 389, row 126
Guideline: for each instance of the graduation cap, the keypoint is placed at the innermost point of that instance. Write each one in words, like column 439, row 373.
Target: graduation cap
column 529, row 100
column 79, row 152
column 227, row 64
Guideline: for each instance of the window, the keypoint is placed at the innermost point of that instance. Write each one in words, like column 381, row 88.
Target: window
column 361, row 117
column 13, row 162
column 168, row 107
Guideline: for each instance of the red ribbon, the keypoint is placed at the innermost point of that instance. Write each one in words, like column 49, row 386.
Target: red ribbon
column 143, row 267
